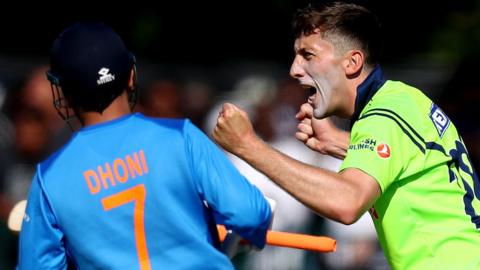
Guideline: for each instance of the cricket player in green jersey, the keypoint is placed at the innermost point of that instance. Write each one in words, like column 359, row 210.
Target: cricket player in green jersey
column 404, row 160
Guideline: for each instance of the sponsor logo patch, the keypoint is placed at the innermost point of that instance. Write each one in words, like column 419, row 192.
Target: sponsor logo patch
column 368, row 144
column 105, row 76
column 383, row 150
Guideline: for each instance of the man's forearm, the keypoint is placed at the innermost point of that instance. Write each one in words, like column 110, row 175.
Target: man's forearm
column 341, row 197
column 321, row 190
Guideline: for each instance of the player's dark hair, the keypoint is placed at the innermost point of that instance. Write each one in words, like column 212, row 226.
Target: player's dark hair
column 355, row 23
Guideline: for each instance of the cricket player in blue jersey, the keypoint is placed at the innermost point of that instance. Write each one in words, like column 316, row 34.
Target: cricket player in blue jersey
column 129, row 191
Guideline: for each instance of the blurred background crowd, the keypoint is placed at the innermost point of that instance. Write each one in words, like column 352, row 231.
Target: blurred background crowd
column 192, row 57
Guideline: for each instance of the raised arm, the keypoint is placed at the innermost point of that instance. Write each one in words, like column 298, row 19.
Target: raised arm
column 342, row 197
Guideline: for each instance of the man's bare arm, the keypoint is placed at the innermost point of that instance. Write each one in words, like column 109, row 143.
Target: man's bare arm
column 341, row 197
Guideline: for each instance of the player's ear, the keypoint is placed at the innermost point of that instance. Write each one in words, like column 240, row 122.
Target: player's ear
column 353, row 63
column 131, row 89
column 131, row 80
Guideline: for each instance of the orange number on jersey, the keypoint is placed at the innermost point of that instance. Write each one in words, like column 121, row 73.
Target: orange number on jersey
column 136, row 194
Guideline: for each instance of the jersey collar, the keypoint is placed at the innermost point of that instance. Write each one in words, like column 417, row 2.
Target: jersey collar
column 366, row 90
column 101, row 125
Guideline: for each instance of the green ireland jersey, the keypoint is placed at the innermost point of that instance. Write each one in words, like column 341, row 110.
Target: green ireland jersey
column 426, row 216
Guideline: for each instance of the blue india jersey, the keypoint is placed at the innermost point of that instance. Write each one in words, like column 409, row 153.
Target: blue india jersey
column 132, row 193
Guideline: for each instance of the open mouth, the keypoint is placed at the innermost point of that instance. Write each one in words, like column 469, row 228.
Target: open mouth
column 310, row 91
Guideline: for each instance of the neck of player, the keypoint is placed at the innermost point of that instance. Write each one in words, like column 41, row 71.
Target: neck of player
column 118, row 108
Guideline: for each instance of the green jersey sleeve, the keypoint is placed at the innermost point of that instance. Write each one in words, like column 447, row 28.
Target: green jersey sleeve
column 378, row 147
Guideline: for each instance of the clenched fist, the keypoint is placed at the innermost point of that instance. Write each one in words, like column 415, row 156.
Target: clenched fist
column 234, row 130
column 320, row 134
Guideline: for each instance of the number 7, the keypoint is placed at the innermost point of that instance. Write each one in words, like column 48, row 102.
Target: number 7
column 136, row 194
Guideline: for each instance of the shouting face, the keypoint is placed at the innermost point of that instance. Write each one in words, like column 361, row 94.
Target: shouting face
column 318, row 69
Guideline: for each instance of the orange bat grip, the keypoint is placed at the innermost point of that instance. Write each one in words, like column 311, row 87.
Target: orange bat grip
column 293, row 240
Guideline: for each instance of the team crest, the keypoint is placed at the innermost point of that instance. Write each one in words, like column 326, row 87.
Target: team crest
column 383, row 150
column 439, row 119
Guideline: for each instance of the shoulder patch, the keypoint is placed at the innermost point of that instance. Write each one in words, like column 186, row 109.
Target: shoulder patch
column 439, row 119
column 383, row 150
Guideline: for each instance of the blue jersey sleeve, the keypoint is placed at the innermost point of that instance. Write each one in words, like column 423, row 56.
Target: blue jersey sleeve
column 41, row 241
column 236, row 203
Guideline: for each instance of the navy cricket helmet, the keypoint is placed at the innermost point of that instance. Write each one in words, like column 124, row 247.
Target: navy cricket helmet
column 91, row 65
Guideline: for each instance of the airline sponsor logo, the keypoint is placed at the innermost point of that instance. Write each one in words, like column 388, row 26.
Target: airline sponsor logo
column 383, row 150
